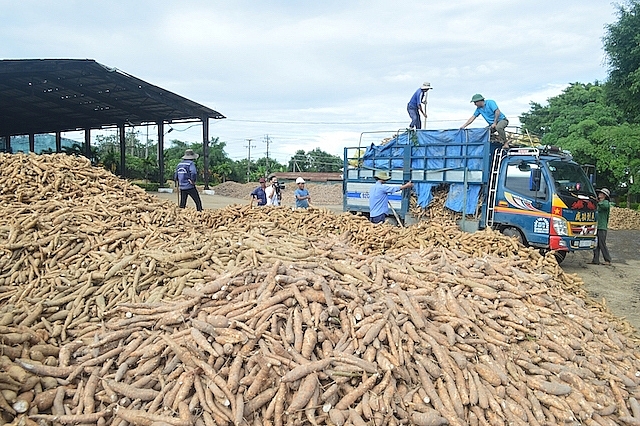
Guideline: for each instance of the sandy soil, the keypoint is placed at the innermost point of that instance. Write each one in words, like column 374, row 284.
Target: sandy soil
column 219, row 201
column 618, row 285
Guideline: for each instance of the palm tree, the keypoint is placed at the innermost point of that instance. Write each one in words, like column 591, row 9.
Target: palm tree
column 224, row 170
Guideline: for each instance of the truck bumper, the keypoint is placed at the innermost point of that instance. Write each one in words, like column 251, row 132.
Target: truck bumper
column 571, row 244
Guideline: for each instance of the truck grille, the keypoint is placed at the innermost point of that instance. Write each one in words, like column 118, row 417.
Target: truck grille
column 581, row 229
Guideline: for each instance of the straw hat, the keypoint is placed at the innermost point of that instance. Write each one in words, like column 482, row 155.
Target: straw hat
column 190, row 155
column 382, row 175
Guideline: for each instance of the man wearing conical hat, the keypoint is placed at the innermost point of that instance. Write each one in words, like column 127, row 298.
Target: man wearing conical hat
column 186, row 176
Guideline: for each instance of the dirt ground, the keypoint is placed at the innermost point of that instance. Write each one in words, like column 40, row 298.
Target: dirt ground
column 618, row 285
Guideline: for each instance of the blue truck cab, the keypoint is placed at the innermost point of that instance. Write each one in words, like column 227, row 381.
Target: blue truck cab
column 537, row 194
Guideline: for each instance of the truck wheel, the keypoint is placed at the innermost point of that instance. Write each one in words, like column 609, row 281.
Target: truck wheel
column 560, row 255
column 514, row 232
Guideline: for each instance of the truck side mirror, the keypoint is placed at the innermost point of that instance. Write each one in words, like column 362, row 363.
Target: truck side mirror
column 534, row 179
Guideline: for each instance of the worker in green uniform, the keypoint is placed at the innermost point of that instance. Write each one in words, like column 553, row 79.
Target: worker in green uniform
column 604, row 207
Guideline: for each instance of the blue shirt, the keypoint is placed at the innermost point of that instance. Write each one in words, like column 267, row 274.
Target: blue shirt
column 416, row 99
column 186, row 174
column 301, row 204
column 488, row 111
column 260, row 195
column 379, row 198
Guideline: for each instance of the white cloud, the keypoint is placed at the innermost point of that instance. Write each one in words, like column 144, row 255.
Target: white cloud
column 284, row 68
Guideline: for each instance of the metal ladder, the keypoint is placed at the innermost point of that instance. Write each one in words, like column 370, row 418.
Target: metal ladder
column 493, row 184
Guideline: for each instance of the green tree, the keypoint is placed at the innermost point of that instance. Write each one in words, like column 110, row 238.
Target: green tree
column 616, row 150
column 577, row 102
column 222, row 171
column 321, row 161
column 622, row 47
column 582, row 121
column 298, row 162
column 315, row 161
column 268, row 166
column 78, row 150
column 137, row 166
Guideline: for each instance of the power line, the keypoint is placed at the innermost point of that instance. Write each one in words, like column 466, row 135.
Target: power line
column 333, row 122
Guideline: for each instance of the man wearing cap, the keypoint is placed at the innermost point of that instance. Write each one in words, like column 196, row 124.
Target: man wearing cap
column 604, row 206
column 379, row 196
column 302, row 195
column 259, row 193
column 186, row 175
column 491, row 113
column 415, row 108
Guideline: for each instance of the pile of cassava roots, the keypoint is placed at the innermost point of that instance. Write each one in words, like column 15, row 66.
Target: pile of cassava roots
column 117, row 308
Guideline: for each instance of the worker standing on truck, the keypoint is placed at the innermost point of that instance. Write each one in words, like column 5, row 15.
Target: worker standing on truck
column 415, row 105
column 379, row 196
column 490, row 111
column 604, row 206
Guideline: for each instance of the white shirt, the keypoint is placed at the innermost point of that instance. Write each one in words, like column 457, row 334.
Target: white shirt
column 272, row 196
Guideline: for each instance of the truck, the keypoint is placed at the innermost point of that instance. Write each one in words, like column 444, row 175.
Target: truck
column 536, row 194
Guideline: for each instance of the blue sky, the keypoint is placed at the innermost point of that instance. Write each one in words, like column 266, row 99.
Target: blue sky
column 318, row 74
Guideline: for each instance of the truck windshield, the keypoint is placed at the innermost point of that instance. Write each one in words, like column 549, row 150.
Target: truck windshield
column 569, row 179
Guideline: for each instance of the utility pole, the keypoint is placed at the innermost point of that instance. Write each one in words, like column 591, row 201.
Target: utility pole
column 266, row 140
column 249, row 146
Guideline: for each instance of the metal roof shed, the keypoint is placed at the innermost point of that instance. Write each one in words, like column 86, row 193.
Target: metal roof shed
column 59, row 95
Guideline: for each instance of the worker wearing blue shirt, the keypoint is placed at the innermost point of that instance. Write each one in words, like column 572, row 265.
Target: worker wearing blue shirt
column 259, row 193
column 302, row 195
column 415, row 108
column 186, row 175
column 379, row 196
column 491, row 113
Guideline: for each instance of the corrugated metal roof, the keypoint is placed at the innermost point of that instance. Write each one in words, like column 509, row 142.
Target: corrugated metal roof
column 49, row 95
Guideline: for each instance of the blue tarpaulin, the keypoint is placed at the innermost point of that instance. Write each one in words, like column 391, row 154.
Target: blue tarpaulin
column 455, row 198
column 435, row 151
column 423, row 191
column 438, row 149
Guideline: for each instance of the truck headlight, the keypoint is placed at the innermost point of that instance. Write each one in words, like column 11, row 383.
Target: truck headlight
column 560, row 226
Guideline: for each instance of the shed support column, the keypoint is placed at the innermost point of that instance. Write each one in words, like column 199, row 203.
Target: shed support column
column 161, row 180
column 32, row 142
column 87, row 143
column 58, row 142
column 205, row 148
column 7, row 144
column 123, row 151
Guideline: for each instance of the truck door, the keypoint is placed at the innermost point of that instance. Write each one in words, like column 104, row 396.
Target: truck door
column 522, row 205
